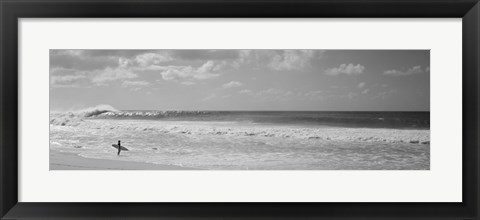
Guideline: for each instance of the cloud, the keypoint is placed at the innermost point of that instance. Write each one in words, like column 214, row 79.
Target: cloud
column 209, row 97
column 273, row 94
column 245, row 91
column 352, row 95
column 101, row 67
column 278, row 60
column 347, row 69
column 84, row 60
column 135, row 83
column 118, row 53
column 77, row 78
column 206, row 71
column 59, row 71
column 384, row 94
column 361, row 85
column 314, row 94
column 142, row 64
column 80, row 60
column 226, row 96
column 148, row 59
column 205, row 54
column 271, row 91
column 188, row 83
column 67, row 80
column 232, row 84
column 410, row 71
column 291, row 60
column 109, row 74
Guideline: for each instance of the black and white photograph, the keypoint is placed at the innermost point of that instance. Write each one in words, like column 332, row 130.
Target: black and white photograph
column 239, row 109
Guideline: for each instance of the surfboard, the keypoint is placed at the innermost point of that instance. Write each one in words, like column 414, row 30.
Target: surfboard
column 116, row 146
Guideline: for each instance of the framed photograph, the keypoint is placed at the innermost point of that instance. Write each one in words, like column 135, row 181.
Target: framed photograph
column 247, row 110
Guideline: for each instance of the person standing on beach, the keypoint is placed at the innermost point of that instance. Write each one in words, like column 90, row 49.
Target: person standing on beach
column 119, row 148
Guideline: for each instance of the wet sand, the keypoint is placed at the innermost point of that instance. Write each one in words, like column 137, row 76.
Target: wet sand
column 70, row 161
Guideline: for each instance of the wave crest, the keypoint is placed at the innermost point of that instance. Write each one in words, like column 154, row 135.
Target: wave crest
column 74, row 118
column 158, row 114
column 233, row 130
column 97, row 110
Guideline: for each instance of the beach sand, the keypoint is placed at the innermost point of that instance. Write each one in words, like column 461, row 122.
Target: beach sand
column 70, row 161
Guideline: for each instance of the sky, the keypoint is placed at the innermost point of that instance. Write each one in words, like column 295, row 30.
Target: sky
column 248, row 80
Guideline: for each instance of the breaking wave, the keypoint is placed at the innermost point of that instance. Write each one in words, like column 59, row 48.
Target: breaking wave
column 159, row 114
column 97, row 110
column 74, row 118
column 375, row 127
column 222, row 129
column 395, row 120
column 407, row 120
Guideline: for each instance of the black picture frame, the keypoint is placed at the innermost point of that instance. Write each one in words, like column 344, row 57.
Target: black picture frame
column 12, row 10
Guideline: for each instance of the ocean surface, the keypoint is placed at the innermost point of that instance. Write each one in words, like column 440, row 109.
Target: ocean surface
column 249, row 140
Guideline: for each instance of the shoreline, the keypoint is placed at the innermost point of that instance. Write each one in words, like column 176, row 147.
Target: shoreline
column 71, row 161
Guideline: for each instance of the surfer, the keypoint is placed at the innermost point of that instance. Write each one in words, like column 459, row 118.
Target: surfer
column 119, row 148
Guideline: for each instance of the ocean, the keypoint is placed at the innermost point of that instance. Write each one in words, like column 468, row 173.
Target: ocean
column 249, row 140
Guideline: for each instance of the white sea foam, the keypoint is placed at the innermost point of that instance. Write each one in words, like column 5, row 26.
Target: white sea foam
column 75, row 118
column 240, row 145
column 247, row 129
